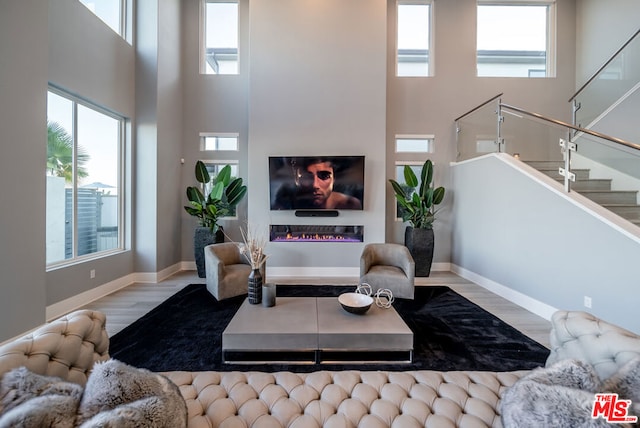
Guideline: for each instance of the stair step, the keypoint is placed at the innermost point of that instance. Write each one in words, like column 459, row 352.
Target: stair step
column 627, row 211
column 620, row 202
column 611, row 197
column 589, row 184
column 545, row 164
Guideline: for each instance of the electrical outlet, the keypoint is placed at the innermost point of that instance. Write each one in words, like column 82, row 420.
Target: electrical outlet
column 92, row 273
column 587, row 301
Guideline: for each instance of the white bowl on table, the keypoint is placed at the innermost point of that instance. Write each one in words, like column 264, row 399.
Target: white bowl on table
column 355, row 303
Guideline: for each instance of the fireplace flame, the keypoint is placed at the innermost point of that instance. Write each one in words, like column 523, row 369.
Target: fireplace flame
column 302, row 233
column 314, row 237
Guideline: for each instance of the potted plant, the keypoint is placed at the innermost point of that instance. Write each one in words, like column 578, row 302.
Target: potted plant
column 215, row 197
column 417, row 201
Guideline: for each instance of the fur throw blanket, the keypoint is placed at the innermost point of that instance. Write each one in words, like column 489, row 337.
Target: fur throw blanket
column 564, row 395
column 116, row 395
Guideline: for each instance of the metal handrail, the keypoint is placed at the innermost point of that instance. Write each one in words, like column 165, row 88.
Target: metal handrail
column 478, row 107
column 575, row 128
column 609, row 61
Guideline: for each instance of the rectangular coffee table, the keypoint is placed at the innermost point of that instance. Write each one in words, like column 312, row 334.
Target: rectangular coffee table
column 309, row 330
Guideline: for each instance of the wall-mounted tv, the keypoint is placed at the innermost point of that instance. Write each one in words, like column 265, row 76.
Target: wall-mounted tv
column 316, row 182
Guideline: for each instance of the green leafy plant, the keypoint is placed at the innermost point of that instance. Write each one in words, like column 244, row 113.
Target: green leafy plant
column 224, row 194
column 60, row 154
column 418, row 199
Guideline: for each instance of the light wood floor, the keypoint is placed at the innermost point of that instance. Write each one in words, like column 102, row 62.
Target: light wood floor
column 125, row 306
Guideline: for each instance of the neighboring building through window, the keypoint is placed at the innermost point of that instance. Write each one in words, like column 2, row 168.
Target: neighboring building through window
column 83, row 175
column 516, row 38
column 413, row 38
column 218, row 141
column 111, row 12
column 219, row 37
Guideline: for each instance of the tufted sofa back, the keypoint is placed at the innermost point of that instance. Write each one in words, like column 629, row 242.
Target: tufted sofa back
column 66, row 347
column 427, row 399
column 583, row 336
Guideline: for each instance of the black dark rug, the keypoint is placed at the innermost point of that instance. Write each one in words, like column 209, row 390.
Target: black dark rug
column 450, row 333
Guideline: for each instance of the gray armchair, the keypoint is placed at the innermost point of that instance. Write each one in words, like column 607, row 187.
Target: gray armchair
column 227, row 270
column 388, row 266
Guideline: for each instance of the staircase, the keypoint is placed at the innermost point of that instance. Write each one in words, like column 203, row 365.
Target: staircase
column 621, row 202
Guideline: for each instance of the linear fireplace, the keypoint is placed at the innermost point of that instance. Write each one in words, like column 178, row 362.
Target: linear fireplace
column 316, row 233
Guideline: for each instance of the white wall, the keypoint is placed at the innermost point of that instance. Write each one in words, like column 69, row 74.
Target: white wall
column 516, row 230
column 86, row 58
column 602, row 28
column 317, row 87
column 158, row 135
column 23, row 90
column 212, row 103
column 430, row 105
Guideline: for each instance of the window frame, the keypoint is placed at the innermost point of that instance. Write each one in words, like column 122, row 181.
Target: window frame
column 551, row 33
column 430, row 56
column 121, row 174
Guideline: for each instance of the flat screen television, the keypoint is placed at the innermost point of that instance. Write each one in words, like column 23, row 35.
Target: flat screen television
column 316, row 182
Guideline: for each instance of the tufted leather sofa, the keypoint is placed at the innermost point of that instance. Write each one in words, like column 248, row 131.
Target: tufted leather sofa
column 69, row 346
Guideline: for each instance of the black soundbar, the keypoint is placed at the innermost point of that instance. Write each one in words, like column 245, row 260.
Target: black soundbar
column 316, row 213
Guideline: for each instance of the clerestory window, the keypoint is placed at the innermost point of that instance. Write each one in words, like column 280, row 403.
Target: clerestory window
column 111, row 12
column 516, row 38
column 413, row 38
column 211, row 141
column 219, row 37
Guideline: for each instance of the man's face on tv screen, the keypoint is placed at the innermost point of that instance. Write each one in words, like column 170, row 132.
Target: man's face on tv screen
column 321, row 175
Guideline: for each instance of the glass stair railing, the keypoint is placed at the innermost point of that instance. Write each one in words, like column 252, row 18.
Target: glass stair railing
column 616, row 79
column 600, row 167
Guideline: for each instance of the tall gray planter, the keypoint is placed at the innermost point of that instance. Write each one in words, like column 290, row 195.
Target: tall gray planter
column 420, row 244
column 202, row 237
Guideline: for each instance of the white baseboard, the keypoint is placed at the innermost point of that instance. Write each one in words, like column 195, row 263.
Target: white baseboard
column 188, row 266
column 65, row 306
column 532, row 305
column 72, row 303
column 153, row 277
column 79, row 300
column 328, row 272
column 441, row 267
column 316, row 272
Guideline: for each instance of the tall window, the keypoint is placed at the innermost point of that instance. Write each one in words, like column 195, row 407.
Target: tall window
column 516, row 38
column 84, row 186
column 413, row 37
column 219, row 37
column 111, row 12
